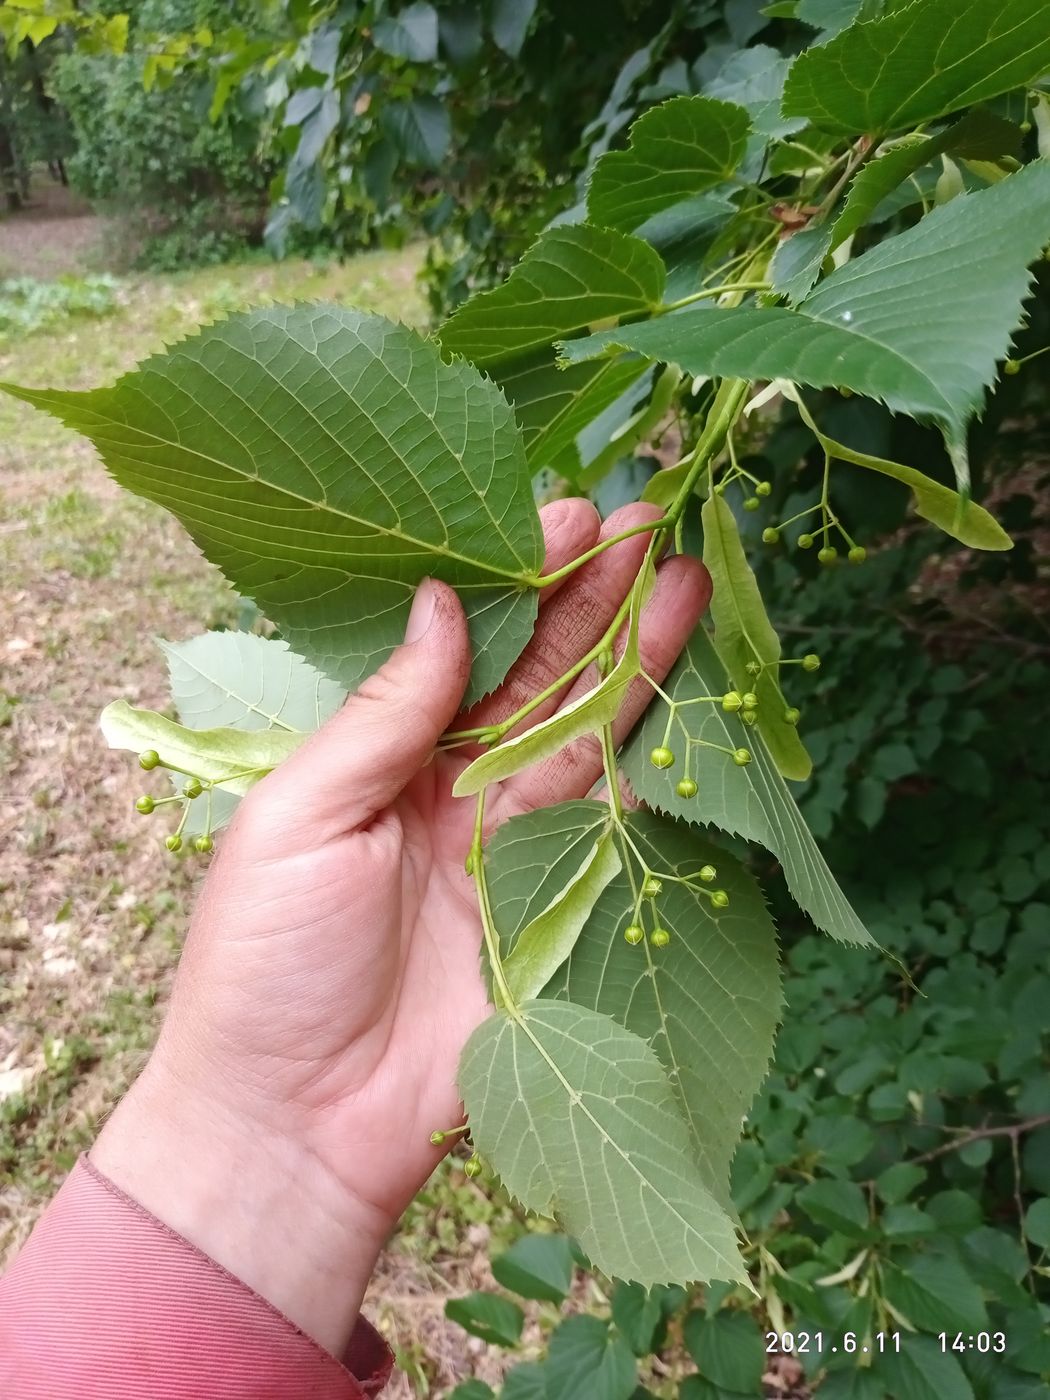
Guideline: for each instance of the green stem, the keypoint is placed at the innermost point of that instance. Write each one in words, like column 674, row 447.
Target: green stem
column 725, row 410
column 545, row 580
column 612, row 781
column 714, row 292
column 488, row 923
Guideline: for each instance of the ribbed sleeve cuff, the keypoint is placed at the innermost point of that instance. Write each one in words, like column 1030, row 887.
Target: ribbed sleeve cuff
column 106, row 1302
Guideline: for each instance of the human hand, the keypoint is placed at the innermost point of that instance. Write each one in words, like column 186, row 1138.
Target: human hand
column 331, row 973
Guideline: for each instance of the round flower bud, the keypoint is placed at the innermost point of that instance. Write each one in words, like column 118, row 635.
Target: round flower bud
column 805, row 541
column 750, row 701
column 685, row 787
column 204, row 844
column 660, row 938
column 792, row 716
column 828, row 554
column 753, row 668
column 857, row 554
column 749, row 716
column 145, row 805
column 741, row 757
column 437, row 1137
column 752, row 503
column 149, row 759
column 720, row 489
column 770, row 535
column 661, row 757
column 193, row 788
column 173, row 842
column 1024, row 126
column 763, row 488
column 732, row 700
column 720, row 899
column 472, row 1166
column 634, row 933
column 708, row 873
column 811, row 661
column 1012, row 367
column 652, row 887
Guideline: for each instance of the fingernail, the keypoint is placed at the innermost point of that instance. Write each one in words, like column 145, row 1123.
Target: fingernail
column 422, row 614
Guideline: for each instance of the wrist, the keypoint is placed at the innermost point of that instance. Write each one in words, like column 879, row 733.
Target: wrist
column 256, row 1201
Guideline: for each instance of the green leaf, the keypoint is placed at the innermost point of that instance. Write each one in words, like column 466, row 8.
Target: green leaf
column 956, row 515
column 587, row 1358
column 544, row 944
column 422, row 129
column 247, row 682
column 708, row 1003
column 527, row 1382
column 840, row 1205
column 576, row 1115
column 898, row 1181
column 978, row 131
column 744, row 634
column 222, row 756
column 472, row 1390
column 488, row 1316
column 917, row 63
column 728, row 1349
column 510, row 23
column 412, row 33
column 570, row 278
column 796, row 264
column 537, row 1266
column 326, row 461
column 1037, row 1223
column 641, row 1314
column 596, row 707
column 753, row 802
column 935, row 1294
column 921, row 1371
column 896, row 324
column 679, row 149
column 852, row 1384
column 833, row 15
column 753, row 78
column 683, row 234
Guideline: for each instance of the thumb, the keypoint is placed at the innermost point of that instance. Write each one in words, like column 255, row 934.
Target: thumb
column 361, row 759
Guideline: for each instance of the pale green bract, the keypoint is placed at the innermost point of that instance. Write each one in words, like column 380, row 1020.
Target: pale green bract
column 234, row 759
column 753, row 802
column 896, row 323
column 586, row 715
column 327, row 460
column 744, row 635
column 544, row 944
column 919, row 62
column 576, row 1115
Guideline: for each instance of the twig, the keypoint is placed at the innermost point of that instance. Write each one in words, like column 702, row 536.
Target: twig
column 1010, row 1130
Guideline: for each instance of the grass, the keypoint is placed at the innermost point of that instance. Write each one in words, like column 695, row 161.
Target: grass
column 92, row 912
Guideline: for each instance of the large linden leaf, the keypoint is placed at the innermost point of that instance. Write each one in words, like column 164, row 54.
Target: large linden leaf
column 919, row 62
column 679, row 149
column 243, row 681
column 753, row 78
column 897, row 324
column 247, row 682
column 576, row 1115
column 570, row 279
column 326, row 461
column 708, row 1003
column 744, row 635
column 753, row 802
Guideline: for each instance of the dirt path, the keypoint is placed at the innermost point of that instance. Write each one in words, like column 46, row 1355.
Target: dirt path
column 56, row 234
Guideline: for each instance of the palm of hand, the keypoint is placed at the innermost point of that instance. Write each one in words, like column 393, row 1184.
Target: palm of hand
column 337, row 983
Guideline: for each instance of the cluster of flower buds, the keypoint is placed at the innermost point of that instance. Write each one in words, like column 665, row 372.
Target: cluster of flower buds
column 191, row 789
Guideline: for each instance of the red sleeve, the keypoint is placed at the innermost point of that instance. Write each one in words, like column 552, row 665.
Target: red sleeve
column 107, row 1303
